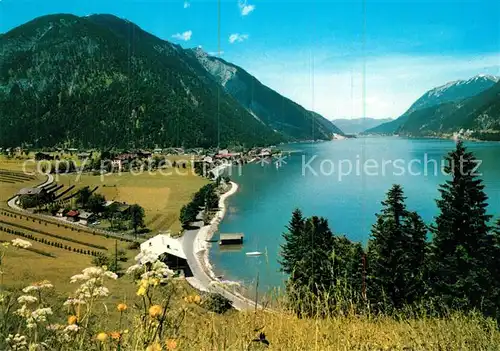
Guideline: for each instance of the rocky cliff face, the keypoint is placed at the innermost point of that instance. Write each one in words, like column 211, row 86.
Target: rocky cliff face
column 276, row 111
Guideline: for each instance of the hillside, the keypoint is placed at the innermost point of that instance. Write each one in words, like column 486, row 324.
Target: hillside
column 358, row 125
column 102, row 81
column 478, row 113
column 273, row 109
column 451, row 92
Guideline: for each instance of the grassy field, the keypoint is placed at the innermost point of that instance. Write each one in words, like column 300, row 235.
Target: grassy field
column 161, row 196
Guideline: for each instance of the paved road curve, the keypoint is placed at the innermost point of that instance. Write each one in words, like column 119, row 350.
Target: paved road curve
column 194, row 245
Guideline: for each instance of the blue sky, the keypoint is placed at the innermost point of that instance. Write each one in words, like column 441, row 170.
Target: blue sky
column 316, row 51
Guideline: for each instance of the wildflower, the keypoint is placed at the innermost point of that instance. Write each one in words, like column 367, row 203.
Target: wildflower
column 26, row 299
column 17, row 342
column 23, row 244
column 72, row 328
column 141, row 291
column 73, row 302
column 44, row 284
column 6, row 244
column 115, row 335
column 121, row 307
column 40, row 315
column 146, row 257
column 193, row 299
column 154, row 347
column 155, row 311
column 134, row 268
column 102, row 337
column 171, row 344
column 72, row 320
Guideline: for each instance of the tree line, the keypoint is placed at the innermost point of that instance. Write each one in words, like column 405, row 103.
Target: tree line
column 207, row 199
column 406, row 266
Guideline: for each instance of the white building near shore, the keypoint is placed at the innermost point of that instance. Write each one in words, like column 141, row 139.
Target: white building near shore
column 164, row 244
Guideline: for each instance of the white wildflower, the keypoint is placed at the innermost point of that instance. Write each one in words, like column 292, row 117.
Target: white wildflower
column 77, row 278
column 134, row 268
column 40, row 315
column 146, row 256
column 26, row 299
column 23, row 312
column 72, row 328
column 23, row 244
column 45, row 284
column 111, row 275
column 92, row 281
column 74, row 302
column 17, row 342
column 54, row 327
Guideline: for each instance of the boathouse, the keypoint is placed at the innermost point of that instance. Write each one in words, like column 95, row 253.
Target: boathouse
column 231, row 239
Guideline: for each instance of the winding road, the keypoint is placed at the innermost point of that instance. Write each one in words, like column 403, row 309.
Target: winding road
column 194, row 246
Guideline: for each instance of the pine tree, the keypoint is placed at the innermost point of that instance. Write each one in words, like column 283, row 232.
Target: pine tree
column 306, row 257
column 459, row 253
column 291, row 250
column 416, row 257
column 396, row 253
column 356, row 275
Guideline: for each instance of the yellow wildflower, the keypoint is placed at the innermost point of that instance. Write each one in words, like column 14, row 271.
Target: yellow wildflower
column 121, row 307
column 141, row 291
column 154, row 347
column 102, row 337
column 155, row 311
column 171, row 344
column 72, row 320
column 197, row 299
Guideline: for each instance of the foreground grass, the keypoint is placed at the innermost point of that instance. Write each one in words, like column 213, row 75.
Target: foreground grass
column 187, row 325
column 285, row 331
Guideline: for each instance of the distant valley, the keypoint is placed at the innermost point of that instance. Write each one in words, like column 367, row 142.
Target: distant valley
column 358, row 125
column 472, row 104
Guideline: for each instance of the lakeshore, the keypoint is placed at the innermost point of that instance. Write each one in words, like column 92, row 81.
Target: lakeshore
column 196, row 249
column 267, row 196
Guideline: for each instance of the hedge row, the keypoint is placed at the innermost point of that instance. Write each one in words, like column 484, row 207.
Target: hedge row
column 13, row 214
column 40, row 252
column 60, row 237
column 48, row 242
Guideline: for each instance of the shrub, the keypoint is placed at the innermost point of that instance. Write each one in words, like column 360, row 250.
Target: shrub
column 217, row 303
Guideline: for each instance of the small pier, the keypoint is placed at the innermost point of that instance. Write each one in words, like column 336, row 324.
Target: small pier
column 231, row 239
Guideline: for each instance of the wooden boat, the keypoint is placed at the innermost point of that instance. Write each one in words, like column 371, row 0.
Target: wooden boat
column 254, row 253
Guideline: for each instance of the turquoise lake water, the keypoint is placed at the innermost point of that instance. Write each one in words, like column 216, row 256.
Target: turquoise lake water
column 315, row 178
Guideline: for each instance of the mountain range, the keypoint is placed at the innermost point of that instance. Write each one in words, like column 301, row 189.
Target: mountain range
column 101, row 81
column 426, row 114
column 358, row 125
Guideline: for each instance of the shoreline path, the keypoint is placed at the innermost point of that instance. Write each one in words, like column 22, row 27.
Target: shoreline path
column 195, row 247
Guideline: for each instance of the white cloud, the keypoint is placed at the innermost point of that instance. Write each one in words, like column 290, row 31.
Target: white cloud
column 336, row 88
column 237, row 38
column 245, row 9
column 186, row 4
column 186, row 36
